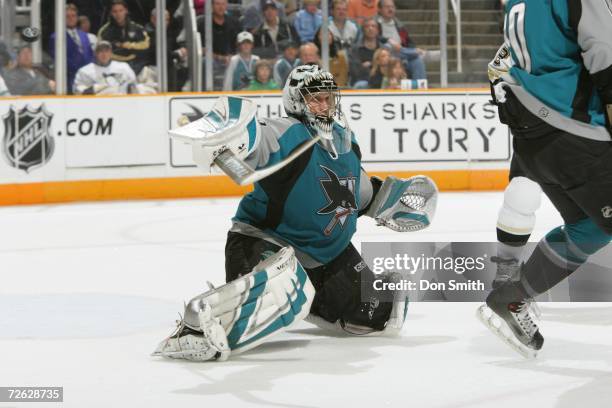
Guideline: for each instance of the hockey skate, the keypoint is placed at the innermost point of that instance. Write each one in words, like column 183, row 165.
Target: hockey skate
column 510, row 319
column 185, row 343
column 509, row 269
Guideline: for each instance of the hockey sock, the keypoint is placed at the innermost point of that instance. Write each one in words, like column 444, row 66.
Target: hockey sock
column 559, row 254
column 510, row 245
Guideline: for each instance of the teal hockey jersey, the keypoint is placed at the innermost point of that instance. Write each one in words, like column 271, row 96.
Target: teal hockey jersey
column 312, row 203
column 560, row 49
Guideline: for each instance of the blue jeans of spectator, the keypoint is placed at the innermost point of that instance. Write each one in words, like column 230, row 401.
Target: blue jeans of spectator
column 413, row 62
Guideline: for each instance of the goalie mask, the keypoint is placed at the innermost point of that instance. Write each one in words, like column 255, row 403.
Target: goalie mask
column 312, row 96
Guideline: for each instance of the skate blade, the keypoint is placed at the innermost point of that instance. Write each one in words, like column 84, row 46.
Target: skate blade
column 499, row 327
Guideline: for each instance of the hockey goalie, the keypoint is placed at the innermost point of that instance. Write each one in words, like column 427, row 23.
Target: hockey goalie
column 288, row 254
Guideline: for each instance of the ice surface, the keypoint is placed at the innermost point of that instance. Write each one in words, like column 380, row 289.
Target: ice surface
column 88, row 290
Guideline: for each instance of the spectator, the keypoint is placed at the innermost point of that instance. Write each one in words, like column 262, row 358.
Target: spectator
column 291, row 8
column 253, row 14
column 380, row 64
column 345, row 31
column 309, row 54
column 23, row 79
column 5, row 56
column 242, row 66
column 286, row 63
column 95, row 10
column 3, row 89
column 338, row 61
column 263, row 77
column 272, row 31
column 225, row 30
column 85, row 26
column 362, row 55
column 104, row 76
column 359, row 10
column 177, row 74
column 79, row 51
column 397, row 39
column 395, row 74
column 308, row 20
column 198, row 5
column 129, row 40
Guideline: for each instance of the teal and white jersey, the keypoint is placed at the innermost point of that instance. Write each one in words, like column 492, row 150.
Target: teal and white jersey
column 561, row 50
column 312, row 203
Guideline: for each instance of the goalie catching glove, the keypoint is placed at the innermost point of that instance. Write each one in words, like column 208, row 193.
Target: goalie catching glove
column 404, row 205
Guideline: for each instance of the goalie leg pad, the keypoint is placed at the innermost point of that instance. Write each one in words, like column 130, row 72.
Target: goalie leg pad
column 405, row 205
column 250, row 309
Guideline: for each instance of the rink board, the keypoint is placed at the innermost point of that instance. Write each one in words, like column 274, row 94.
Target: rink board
column 57, row 149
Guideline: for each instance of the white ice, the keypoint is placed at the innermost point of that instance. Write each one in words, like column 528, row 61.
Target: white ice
column 88, row 290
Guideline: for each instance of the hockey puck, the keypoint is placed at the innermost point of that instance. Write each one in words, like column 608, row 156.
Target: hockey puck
column 30, row 34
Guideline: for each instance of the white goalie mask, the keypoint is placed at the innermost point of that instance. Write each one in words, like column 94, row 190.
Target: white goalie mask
column 312, row 96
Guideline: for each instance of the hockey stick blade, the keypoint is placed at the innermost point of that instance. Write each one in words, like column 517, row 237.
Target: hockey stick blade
column 243, row 174
column 488, row 318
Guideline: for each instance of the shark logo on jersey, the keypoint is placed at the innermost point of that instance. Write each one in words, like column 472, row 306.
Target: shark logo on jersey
column 340, row 194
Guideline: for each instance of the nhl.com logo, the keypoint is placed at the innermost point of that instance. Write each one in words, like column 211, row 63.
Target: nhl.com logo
column 27, row 141
column 607, row 211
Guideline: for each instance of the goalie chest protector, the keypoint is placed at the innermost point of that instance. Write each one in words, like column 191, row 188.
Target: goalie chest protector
column 311, row 203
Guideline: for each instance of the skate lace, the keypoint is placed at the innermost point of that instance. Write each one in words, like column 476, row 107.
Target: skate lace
column 525, row 320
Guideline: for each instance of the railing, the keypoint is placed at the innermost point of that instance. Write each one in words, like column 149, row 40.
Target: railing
column 456, row 4
column 194, row 45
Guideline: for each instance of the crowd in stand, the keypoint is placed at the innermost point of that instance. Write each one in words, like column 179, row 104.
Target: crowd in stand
column 255, row 45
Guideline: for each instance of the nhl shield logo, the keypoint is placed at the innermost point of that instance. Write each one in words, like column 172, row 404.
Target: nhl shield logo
column 27, row 137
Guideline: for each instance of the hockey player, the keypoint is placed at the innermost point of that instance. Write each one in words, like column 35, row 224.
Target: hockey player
column 289, row 253
column 555, row 93
column 522, row 198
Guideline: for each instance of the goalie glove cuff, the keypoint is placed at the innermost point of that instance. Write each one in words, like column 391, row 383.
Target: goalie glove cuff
column 376, row 184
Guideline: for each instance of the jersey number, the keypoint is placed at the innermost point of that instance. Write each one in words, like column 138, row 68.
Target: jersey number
column 514, row 32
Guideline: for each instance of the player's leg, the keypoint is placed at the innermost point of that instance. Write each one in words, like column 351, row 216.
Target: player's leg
column 252, row 306
column 515, row 222
column 346, row 297
column 588, row 227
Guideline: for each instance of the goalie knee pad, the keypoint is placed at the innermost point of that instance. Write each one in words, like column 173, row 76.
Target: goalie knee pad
column 521, row 200
column 250, row 309
column 348, row 300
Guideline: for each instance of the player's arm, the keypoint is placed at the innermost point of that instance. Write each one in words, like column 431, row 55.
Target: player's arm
column 231, row 138
column 399, row 204
column 592, row 21
column 231, row 125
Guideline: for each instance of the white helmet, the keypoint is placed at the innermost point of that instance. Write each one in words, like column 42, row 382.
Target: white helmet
column 309, row 86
